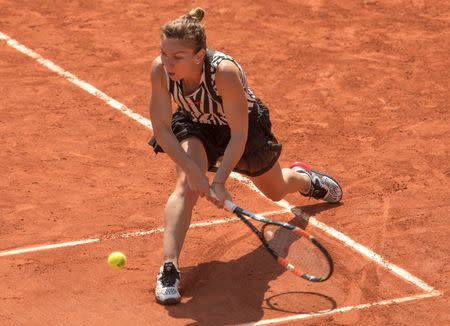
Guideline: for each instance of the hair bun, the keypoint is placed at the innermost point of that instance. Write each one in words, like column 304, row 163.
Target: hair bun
column 196, row 14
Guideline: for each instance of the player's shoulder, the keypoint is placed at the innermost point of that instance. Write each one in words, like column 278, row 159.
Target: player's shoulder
column 226, row 66
column 157, row 66
column 157, row 74
column 227, row 76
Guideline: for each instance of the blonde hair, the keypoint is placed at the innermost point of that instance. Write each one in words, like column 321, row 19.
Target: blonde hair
column 187, row 28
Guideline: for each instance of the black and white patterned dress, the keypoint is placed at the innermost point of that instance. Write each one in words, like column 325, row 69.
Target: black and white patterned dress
column 205, row 104
column 201, row 115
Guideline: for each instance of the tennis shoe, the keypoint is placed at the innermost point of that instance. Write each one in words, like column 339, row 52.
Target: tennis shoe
column 167, row 289
column 322, row 186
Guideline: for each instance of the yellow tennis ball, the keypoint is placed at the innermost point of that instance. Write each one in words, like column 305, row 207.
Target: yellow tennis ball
column 117, row 260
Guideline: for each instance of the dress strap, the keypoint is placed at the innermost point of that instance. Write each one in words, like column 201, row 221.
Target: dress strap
column 208, row 71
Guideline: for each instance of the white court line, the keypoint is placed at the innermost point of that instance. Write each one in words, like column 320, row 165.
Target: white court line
column 345, row 309
column 76, row 81
column 376, row 258
column 145, row 122
column 18, row 251
column 402, row 273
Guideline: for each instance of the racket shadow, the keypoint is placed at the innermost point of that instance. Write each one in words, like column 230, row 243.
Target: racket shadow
column 300, row 302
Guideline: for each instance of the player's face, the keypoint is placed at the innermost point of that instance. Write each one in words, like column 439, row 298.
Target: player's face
column 179, row 59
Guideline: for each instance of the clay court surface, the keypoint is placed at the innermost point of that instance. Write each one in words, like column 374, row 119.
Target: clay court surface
column 359, row 89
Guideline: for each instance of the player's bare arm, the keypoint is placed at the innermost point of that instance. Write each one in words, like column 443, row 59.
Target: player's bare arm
column 161, row 116
column 235, row 106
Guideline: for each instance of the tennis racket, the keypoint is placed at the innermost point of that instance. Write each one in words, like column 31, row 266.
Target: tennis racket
column 292, row 247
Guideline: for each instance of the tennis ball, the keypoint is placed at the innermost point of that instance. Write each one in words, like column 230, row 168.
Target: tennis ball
column 117, row 260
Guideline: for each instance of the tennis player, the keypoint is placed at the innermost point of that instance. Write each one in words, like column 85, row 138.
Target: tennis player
column 218, row 118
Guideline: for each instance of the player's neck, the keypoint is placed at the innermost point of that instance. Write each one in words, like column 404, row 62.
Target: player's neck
column 191, row 83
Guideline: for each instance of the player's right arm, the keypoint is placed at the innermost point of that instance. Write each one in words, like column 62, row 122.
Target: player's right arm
column 161, row 117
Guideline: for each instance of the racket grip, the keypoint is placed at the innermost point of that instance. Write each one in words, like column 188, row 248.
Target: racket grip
column 229, row 206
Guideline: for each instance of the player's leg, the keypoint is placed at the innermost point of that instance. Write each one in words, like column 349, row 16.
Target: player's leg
column 262, row 149
column 178, row 210
column 177, row 217
column 277, row 182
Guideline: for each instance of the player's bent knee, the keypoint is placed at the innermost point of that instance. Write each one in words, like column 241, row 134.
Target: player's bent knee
column 184, row 191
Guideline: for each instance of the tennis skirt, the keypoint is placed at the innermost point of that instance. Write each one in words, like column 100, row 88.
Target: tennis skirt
column 262, row 149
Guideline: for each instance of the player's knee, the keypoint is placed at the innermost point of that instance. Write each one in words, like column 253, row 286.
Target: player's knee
column 184, row 191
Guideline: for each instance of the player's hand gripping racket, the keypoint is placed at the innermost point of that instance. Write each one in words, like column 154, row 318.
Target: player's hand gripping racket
column 292, row 247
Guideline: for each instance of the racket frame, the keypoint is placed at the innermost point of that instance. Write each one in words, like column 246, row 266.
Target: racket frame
column 242, row 214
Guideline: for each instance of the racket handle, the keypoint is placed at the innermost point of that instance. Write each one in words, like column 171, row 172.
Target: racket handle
column 229, row 206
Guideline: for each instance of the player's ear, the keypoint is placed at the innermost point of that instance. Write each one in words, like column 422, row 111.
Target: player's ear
column 199, row 56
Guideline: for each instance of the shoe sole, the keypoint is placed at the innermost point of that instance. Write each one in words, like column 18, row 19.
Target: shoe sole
column 168, row 301
column 308, row 168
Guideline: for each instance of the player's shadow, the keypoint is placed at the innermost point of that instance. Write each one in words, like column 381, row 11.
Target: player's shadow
column 314, row 209
column 226, row 293
column 233, row 292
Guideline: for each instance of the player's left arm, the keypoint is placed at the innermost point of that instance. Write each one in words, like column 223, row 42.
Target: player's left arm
column 234, row 98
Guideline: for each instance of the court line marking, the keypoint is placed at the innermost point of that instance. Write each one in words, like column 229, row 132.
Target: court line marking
column 35, row 248
column 76, row 81
column 346, row 309
column 24, row 250
column 283, row 203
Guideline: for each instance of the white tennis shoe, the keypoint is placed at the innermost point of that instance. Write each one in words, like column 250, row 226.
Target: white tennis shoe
column 322, row 186
column 167, row 289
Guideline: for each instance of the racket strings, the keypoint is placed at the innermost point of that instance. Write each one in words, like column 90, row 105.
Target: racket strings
column 297, row 250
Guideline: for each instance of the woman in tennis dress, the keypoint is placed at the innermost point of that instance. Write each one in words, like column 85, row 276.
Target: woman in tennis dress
column 218, row 117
